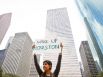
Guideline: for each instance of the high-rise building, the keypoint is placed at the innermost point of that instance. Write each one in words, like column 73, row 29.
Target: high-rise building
column 88, row 62
column 81, row 68
column 19, row 55
column 4, row 24
column 58, row 30
column 9, row 42
column 92, row 14
column 95, row 42
column 98, row 67
column 33, row 71
column 2, row 56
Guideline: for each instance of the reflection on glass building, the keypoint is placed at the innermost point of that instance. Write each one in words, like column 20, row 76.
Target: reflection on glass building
column 92, row 14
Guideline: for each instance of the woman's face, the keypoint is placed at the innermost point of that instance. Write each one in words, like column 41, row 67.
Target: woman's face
column 46, row 66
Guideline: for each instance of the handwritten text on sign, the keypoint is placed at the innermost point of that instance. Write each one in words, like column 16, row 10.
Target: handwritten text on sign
column 46, row 44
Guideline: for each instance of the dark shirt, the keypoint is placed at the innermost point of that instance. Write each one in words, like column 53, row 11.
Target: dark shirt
column 56, row 71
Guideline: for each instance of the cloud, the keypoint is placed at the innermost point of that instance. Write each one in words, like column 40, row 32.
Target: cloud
column 91, row 10
column 98, row 4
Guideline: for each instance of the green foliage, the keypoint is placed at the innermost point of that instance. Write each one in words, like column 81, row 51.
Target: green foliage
column 7, row 74
column 1, row 72
column 100, row 74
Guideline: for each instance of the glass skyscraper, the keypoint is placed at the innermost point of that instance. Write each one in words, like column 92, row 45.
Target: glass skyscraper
column 92, row 14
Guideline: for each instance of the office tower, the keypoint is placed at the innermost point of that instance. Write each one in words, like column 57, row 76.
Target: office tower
column 2, row 56
column 4, row 24
column 95, row 42
column 88, row 62
column 9, row 42
column 33, row 71
column 92, row 14
column 97, row 65
column 19, row 55
column 58, row 29
column 81, row 68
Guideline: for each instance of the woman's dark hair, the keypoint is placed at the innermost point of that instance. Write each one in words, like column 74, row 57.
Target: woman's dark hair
column 48, row 62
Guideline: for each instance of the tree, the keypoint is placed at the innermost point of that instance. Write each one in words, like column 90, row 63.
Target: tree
column 9, row 75
column 1, row 72
column 6, row 74
column 100, row 74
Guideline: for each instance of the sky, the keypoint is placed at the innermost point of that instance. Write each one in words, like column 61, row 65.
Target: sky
column 30, row 16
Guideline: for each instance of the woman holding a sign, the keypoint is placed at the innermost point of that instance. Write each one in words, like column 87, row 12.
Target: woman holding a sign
column 47, row 66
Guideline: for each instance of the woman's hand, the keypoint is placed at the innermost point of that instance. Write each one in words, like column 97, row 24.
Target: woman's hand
column 33, row 46
column 61, row 45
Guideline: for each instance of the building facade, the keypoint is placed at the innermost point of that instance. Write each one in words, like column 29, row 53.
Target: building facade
column 33, row 72
column 58, row 26
column 4, row 24
column 95, row 43
column 88, row 62
column 92, row 15
column 2, row 56
column 19, row 55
